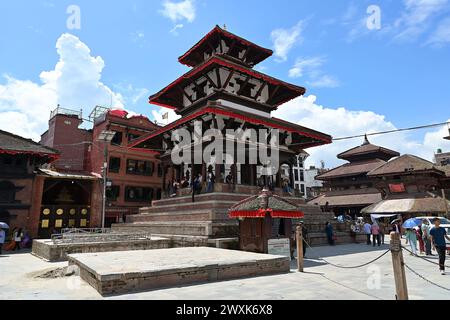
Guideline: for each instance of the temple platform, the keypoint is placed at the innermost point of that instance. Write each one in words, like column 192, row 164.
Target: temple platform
column 113, row 273
column 205, row 222
column 54, row 252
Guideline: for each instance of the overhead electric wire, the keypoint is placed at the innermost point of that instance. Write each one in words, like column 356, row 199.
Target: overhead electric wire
column 393, row 131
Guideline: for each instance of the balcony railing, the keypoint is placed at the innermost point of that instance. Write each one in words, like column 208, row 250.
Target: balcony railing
column 65, row 111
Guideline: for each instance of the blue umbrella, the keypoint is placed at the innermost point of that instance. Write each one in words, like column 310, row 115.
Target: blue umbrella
column 3, row 225
column 410, row 223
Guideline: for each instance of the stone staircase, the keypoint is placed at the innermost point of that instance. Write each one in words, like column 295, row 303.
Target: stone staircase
column 206, row 221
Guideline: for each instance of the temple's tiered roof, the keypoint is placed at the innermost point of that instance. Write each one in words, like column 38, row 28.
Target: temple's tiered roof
column 254, row 54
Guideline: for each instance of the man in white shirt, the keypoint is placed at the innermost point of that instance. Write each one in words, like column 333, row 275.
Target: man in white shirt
column 2, row 239
column 368, row 232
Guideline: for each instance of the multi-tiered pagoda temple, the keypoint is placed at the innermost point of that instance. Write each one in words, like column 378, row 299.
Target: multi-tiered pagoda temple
column 223, row 92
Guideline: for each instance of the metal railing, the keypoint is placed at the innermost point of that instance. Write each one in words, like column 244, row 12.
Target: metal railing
column 83, row 238
column 65, row 111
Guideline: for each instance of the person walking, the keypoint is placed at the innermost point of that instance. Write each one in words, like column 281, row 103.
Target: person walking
column 382, row 226
column 18, row 238
column 2, row 239
column 210, row 180
column 418, row 232
column 438, row 236
column 330, row 233
column 411, row 237
column 368, row 232
column 426, row 237
column 375, row 230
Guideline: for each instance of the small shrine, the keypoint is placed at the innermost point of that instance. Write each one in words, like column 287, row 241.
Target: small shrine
column 264, row 217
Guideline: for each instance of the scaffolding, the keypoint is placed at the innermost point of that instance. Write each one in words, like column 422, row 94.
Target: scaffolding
column 98, row 112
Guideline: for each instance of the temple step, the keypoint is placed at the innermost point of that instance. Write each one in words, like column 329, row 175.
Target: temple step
column 235, row 197
column 190, row 228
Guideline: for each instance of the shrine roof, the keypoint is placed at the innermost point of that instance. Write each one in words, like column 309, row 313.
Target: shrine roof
column 190, row 58
column 319, row 138
column 405, row 164
column 293, row 91
column 13, row 144
column 346, row 200
column 265, row 203
column 368, row 150
column 351, row 169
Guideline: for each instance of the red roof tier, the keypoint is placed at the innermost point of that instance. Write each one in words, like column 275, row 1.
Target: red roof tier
column 318, row 138
column 194, row 56
column 162, row 98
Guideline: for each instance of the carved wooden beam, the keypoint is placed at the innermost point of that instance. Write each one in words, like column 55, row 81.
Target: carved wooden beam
column 260, row 90
column 212, row 82
column 274, row 92
column 228, row 79
column 184, row 93
column 244, row 85
column 219, row 80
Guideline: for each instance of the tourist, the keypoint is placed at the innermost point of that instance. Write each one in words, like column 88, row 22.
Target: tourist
column 382, row 226
column 418, row 232
column 229, row 179
column 330, row 233
column 368, row 232
column 438, row 236
column 426, row 236
column 210, row 180
column 2, row 239
column 353, row 232
column 411, row 238
column 18, row 238
column 198, row 184
column 375, row 230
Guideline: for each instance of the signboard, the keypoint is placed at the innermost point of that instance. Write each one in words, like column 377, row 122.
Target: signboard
column 397, row 188
column 279, row 247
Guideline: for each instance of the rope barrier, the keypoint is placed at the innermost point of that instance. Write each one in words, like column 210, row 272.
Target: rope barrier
column 425, row 279
column 423, row 258
column 348, row 267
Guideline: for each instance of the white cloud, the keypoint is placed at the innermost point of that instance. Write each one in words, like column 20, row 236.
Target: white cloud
column 311, row 68
column 130, row 94
column 179, row 11
column 416, row 16
column 342, row 122
column 74, row 83
column 303, row 65
column 324, row 81
column 442, row 34
column 284, row 39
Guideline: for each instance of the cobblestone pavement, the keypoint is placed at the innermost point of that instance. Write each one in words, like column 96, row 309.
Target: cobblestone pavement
column 320, row 281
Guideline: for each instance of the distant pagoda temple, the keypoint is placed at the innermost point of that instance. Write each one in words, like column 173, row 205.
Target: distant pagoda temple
column 223, row 92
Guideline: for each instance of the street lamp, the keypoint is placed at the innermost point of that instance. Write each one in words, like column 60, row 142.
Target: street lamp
column 106, row 137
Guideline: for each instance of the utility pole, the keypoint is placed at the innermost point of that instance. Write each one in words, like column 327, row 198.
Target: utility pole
column 399, row 267
column 106, row 137
column 299, row 238
column 447, row 215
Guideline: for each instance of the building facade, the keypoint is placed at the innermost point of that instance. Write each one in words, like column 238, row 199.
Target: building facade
column 20, row 185
column 133, row 178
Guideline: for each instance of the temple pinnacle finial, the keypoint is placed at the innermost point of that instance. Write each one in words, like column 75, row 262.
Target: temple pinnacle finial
column 366, row 141
column 224, row 26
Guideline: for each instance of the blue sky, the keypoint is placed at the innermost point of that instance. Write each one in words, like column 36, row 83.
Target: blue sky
column 396, row 76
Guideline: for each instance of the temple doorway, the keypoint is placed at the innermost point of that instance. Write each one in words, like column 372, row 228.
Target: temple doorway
column 65, row 204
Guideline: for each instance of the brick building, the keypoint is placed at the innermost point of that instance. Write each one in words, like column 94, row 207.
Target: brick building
column 20, row 186
column 134, row 175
